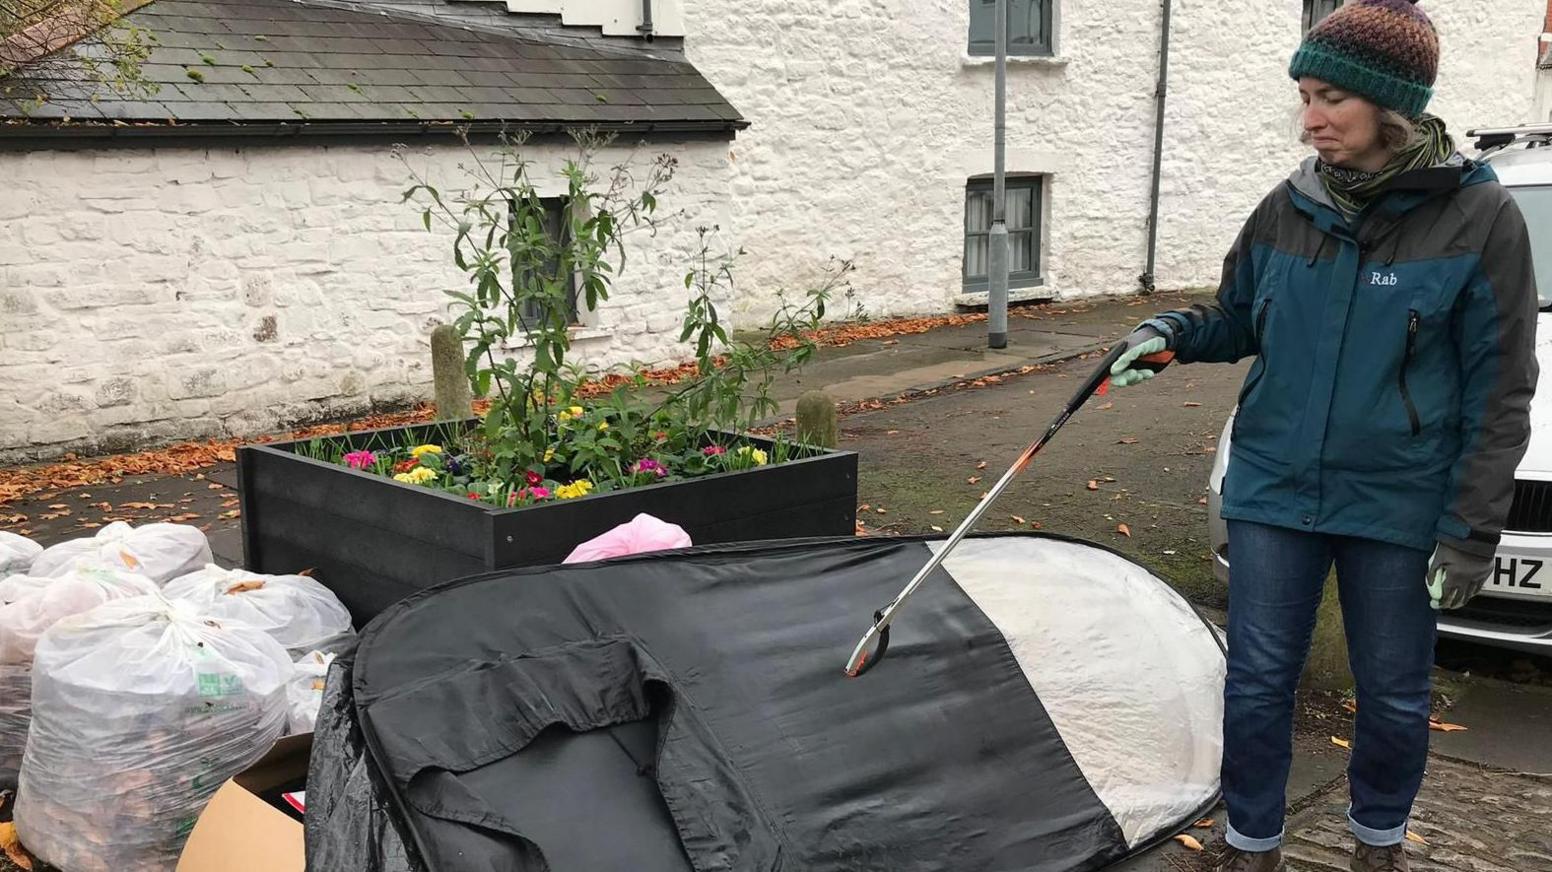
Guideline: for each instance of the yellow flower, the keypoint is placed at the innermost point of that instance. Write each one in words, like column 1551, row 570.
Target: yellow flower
column 418, row 475
column 576, row 411
column 759, row 457
column 602, row 426
column 418, row 450
column 578, row 488
column 563, row 416
column 549, row 455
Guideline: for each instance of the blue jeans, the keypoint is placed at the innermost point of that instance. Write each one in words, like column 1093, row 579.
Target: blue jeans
column 1276, row 577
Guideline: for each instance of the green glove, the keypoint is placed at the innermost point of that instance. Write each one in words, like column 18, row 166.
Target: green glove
column 1455, row 576
column 1140, row 344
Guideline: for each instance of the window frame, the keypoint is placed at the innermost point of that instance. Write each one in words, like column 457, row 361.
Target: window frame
column 1034, row 277
column 988, row 48
column 1310, row 9
column 557, row 211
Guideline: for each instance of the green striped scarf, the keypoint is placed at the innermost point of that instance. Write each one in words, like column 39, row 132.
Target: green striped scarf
column 1354, row 189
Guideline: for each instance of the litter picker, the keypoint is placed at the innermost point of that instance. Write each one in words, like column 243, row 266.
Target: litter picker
column 875, row 642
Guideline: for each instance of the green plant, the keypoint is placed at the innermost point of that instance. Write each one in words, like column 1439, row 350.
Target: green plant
column 531, row 264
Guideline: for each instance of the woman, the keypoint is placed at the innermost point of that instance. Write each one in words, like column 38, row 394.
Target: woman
column 1387, row 293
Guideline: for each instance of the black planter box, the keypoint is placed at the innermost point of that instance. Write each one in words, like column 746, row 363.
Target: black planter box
column 373, row 540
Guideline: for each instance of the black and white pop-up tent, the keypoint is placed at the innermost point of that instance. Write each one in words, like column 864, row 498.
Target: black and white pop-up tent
column 1045, row 704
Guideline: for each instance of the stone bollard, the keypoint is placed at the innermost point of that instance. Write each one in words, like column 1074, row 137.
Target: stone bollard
column 816, row 420
column 453, row 402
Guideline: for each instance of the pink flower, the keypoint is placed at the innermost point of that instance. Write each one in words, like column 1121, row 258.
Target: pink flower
column 713, row 450
column 647, row 464
column 539, row 493
column 360, row 459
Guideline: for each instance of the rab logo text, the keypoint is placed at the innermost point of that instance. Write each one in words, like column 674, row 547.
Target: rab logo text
column 1386, row 279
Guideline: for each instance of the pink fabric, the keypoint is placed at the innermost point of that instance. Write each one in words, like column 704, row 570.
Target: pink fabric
column 643, row 534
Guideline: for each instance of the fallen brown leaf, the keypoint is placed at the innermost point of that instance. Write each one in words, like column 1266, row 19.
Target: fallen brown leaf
column 13, row 847
column 137, row 505
column 1415, row 838
column 1190, row 842
column 1127, row 440
column 213, row 486
column 59, row 506
column 1035, row 525
column 1341, row 743
column 1445, row 728
column 1192, row 405
column 881, row 510
column 936, row 512
column 245, row 586
column 1350, row 706
column 936, row 528
column 1017, row 520
column 317, row 684
column 1202, row 501
column 1124, row 530
column 90, row 525
column 1106, row 407
column 1204, row 824
column 981, row 465
column 187, row 516
column 227, row 516
column 864, row 507
column 974, row 479
column 1093, row 484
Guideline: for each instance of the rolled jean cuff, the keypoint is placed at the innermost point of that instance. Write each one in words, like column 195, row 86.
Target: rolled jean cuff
column 1255, row 846
column 1376, row 838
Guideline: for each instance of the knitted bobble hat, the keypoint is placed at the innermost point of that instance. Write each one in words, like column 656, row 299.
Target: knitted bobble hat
column 1386, row 51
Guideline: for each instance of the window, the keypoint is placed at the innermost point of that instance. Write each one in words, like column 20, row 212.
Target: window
column 1024, row 208
column 555, row 227
column 1029, row 27
column 1315, row 10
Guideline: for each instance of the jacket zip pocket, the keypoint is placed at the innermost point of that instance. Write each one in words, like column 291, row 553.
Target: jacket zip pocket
column 1413, row 320
column 1260, row 328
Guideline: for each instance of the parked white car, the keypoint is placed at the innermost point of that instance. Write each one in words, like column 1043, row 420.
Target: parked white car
column 1515, row 608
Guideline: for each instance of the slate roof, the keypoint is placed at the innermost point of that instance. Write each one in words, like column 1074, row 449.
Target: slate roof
column 361, row 65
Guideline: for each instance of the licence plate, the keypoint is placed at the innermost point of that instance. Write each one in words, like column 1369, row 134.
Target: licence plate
column 1527, row 576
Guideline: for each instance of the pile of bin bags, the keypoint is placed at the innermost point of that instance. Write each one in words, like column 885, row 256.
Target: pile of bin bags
column 1045, row 704
column 136, row 677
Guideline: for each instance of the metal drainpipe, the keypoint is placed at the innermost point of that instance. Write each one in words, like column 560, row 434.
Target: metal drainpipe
column 645, row 28
column 1146, row 279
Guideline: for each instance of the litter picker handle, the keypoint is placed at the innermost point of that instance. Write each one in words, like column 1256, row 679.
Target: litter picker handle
column 877, row 636
column 1100, row 377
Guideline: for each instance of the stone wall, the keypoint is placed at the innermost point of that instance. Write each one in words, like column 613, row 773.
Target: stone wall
column 151, row 295
column 869, row 117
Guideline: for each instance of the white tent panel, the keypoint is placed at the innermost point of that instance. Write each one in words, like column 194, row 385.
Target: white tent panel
column 1130, row 675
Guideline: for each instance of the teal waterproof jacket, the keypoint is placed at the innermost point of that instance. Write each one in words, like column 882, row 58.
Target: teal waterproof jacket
column 1395, row 358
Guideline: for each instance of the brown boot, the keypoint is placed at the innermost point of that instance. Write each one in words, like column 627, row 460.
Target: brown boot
column 1234, row 860
column 1391, row 858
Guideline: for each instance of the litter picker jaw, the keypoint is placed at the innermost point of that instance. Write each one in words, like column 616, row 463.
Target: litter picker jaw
column 875, row 642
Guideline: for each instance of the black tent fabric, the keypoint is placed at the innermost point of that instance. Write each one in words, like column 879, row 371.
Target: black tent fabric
column 688, row 711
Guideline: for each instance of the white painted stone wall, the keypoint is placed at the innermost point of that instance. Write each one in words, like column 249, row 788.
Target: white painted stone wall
column 152, row 295
column 868, row 119
column 161, row 294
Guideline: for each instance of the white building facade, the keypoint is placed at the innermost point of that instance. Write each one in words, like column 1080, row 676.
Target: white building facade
column 170, row 292
column 870, row 119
